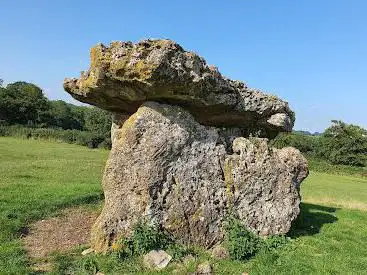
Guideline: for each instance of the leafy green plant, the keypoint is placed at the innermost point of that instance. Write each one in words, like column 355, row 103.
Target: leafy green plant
column 275, row 242
column 84, row 138
column 344, row 144
column 179, row 251
column 307, row 144
column 63, row 264
column 143, row 239
column 240, row 242
column 90, row 265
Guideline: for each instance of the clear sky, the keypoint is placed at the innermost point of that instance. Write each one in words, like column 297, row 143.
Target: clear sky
column 312, row 53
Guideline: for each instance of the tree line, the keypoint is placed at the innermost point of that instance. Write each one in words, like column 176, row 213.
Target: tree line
column 341, row 143
column 25, row 110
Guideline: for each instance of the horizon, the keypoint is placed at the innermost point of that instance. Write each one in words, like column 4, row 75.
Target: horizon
column 309, row 54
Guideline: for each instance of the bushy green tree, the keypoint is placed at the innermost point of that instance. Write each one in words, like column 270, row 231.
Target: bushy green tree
column 305, row 143
column 97, row 120
column 344, row 143
column 23, row 103
column 66, row 116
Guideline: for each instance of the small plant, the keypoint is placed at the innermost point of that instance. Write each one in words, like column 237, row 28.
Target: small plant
column 143, row 239
column 275, row 242
column 90, row 266
column 179, row 251
column 63, row 264
column 240, row 242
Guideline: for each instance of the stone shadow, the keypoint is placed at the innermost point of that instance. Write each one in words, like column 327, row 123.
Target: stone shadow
column 311, row 219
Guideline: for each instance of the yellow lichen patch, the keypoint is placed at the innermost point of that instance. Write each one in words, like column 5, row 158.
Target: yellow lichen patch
column 116, row 246
column 89, row 82
column 228, row 178
column 143, row 69
column 197, row 215
column 128, row 124
column 273, row 98
column 99, row 63
column 161, row 43
column 100, row 57
column 95, row 56
column 119, row 66
column 175, row 223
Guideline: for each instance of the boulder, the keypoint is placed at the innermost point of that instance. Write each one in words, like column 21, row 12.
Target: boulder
column 189, row 146
column 124, row 75
column 87, row 251
column 166, row 168
column 157, row 259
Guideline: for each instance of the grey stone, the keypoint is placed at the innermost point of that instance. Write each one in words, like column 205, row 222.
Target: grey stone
column 220, row 252
column 124, row 75
column 167, row 169
column 156, row 259
column 87, row 251
column 204, row 269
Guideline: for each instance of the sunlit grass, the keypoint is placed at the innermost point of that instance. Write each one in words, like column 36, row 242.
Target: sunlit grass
column 36, row 179
column 39, row 178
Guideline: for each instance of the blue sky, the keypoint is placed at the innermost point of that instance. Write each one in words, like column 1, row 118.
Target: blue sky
column 311, row 53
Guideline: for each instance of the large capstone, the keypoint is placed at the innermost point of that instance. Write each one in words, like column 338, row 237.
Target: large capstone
column 124, row 75
column 189, row 146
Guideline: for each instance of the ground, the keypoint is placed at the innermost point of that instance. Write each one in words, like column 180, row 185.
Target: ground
column 59, row 234
column 40, row 179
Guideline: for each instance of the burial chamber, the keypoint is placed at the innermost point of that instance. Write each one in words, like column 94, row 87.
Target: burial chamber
column 189, row 146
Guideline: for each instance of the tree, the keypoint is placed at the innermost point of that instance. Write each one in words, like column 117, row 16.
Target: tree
column 345, row 144
column 98, row 121
column 23, row 103
column 66, row 116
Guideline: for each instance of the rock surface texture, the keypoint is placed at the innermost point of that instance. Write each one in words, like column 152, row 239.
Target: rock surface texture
column 124, row 75
column 184, row 155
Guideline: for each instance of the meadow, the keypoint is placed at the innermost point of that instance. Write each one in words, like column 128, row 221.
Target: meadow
column 40, row 178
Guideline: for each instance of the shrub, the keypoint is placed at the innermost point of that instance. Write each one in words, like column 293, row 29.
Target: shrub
column 341, row 143
column 305, row 143
column 84, row 138
column 274, row 242
column 90, row 265
column 344, row 144
column 178, row 251
column 144, row 238
column 240, row 242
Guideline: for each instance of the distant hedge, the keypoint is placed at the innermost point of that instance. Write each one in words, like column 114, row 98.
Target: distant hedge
column 341, row 143
column 84, row 138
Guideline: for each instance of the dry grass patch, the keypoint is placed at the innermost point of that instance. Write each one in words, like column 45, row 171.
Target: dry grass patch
column 61, row 233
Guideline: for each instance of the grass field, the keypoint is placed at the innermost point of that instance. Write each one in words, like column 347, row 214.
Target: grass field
column 39, row 178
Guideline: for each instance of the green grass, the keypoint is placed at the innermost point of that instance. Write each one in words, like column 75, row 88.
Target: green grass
column 342, row 191
column 39, row 178
column 323, row 166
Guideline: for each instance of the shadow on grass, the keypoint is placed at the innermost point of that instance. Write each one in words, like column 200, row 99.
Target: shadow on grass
column 311, row 219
